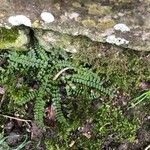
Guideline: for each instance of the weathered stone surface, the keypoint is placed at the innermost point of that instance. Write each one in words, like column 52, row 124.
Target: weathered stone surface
column 125, row 23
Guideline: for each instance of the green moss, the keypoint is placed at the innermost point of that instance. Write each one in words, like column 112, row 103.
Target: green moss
column 12, row 38
column 106, row 120
column 8, row 36
column 111, row 120
column 124, row 68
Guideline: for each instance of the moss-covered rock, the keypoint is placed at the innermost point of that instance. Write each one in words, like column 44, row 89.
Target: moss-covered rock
column 13, row 38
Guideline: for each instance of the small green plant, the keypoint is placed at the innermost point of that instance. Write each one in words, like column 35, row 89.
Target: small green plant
column 111, row 120
column 106, row 121
column 39, row 75
column 4, row 145
column 143, row 97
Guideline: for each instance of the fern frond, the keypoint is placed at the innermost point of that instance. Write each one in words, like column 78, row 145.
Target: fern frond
column 90, row 82
column 24, row 99
column 56, row 99
column 39, row 111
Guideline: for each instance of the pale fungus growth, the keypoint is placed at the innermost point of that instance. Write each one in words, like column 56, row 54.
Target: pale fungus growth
column 19, row 20
column 116, row 40
column 47, row 17
column 122, row 27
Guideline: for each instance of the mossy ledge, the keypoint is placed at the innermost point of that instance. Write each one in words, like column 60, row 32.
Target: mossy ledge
column 15, row 38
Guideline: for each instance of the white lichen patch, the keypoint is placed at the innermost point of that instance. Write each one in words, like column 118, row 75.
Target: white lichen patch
column 122, row 27
column 19, row 20
column 47, row 17
column 112, row 39
column 74, row 15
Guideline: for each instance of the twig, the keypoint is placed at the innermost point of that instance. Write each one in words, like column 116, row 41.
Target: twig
column 147, row 148
column 60, row 72
column 18, row 119
column 2, row 100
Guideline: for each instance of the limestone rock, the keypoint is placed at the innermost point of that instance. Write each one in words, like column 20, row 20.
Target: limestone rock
column 126, row 20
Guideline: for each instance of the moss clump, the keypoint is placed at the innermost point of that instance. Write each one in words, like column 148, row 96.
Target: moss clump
column 111, row 120
column 13, row 38
column 8, row 36
column 105, row 121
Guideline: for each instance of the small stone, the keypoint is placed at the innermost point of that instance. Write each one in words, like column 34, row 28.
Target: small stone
column 14, row 138
column 47, row 17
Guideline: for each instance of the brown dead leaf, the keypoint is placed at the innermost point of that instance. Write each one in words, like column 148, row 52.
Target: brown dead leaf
column 50, row 113
column 50, row 116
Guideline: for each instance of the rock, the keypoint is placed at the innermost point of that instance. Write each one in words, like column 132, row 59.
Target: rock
column 14, row 138
column 128, row 20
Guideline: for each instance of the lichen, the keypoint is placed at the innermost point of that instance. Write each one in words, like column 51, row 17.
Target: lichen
column 89, row 23
column 19, row 20
column 121, row 27
column 105, row 24
column 76, row 4
column 112, row 39
column 95, row 9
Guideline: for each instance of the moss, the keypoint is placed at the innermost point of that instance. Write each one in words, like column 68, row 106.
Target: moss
column 12, row 38
column 8, row 36
column 124, row 68
column 106, row 121
column 109, row 119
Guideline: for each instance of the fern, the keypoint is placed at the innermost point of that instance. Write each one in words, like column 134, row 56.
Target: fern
column 56, row 99
column 50, row 69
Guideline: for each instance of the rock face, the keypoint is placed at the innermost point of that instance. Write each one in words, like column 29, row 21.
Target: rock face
column 125, row 23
